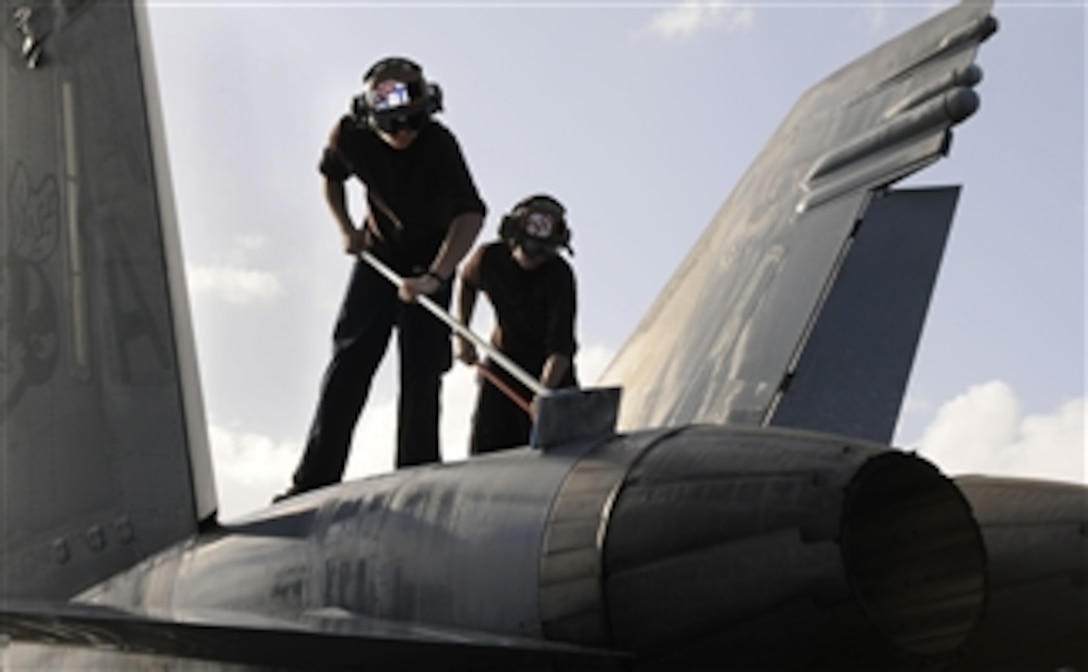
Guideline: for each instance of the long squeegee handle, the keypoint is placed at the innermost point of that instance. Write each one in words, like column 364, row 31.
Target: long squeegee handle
column 505, row 362
column 499, row 383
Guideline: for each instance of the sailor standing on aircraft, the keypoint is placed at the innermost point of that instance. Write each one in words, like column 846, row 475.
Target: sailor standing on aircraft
column 532, row 290
column 424, row 213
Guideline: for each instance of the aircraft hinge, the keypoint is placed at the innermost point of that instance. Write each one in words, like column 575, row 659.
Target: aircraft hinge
column 785, row 384
column 24, row 18
column 856, row 227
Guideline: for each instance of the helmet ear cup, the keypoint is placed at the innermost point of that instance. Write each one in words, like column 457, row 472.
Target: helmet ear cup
column 360, row 112
column 434, row 98
column 510, row 227
column 563, row 237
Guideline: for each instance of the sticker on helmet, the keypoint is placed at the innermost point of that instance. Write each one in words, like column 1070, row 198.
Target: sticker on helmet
column 391, row 93
column 539, row 225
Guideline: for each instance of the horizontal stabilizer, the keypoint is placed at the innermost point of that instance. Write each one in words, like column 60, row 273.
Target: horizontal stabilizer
column 336, row 638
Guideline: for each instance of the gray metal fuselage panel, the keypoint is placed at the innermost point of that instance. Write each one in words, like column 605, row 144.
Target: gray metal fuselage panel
column 421, row 545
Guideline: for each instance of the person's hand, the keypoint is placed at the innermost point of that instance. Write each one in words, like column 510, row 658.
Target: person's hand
column 355, row 241
column 421, row 285
column 466, row 351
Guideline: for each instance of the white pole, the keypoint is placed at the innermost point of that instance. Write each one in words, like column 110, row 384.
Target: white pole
column 506, row 363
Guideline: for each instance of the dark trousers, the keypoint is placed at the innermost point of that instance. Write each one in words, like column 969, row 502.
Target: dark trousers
column 367, row 317
column 499, row 422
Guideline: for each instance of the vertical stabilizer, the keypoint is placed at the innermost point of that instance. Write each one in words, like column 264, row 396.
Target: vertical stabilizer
column 103, row 449
column 718, row 344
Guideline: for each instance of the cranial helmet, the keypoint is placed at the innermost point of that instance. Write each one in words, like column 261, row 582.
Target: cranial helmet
column 538, row 223
column 396, row 96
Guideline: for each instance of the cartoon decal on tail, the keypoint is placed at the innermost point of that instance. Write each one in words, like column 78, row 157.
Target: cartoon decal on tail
column 32, row 328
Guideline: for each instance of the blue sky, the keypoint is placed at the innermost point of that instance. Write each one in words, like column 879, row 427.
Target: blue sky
column 640, row 117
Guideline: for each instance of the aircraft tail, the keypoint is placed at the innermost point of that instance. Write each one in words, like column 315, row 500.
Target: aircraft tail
column 773, row 283
column 104, row 457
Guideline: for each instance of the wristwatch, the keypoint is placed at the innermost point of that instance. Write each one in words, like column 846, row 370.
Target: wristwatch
column 441, row 281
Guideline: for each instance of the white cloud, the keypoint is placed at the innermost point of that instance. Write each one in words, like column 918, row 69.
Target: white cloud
column 249, row 469
column 983, row 431
column 233, row 285
column 592, row 361
column 692, row 16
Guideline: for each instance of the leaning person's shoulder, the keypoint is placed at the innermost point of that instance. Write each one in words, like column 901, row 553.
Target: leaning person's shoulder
column 436, row 134
column 559, row 264
column 493, row 255
column 561, row 268
column 495, row 250
column 436, row 129
column 343, row 128
column 347, row 134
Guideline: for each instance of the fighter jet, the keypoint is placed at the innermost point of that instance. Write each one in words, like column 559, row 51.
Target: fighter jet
column 745, row 512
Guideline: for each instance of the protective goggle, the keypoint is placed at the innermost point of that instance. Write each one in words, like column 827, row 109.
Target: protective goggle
column 395, row 106
column 391, row 94
column 535, row 247
column 392, row 123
